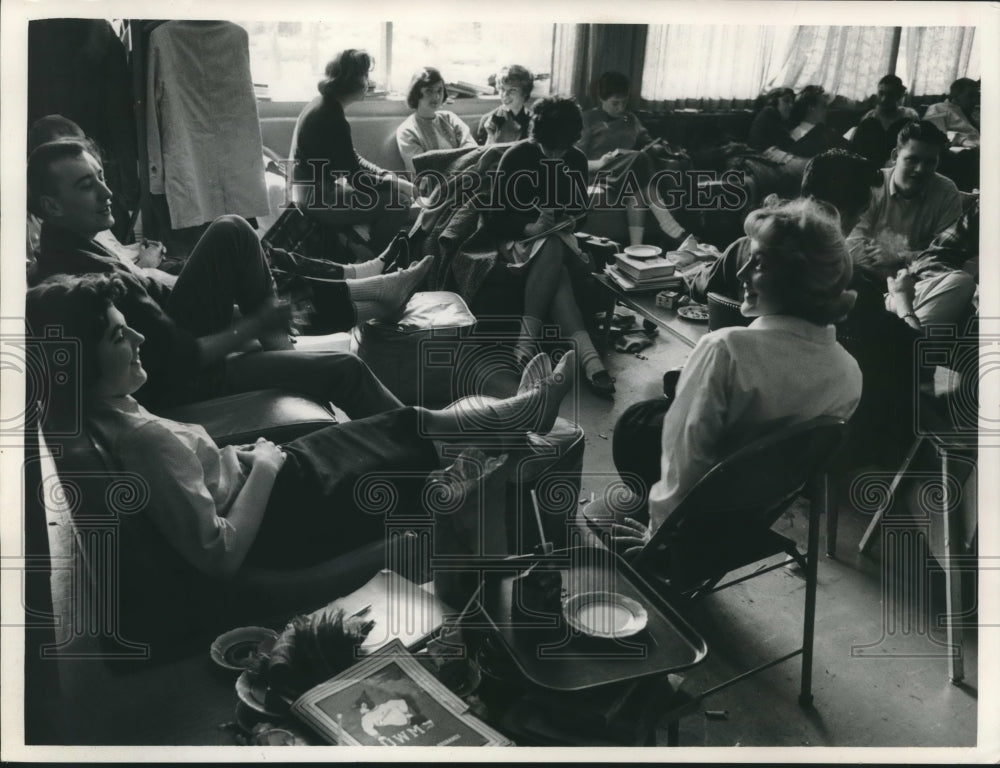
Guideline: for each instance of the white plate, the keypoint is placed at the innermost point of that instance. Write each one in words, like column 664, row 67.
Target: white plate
column 695, row 312
column 604, row 614
column 235, row 649
column 643, row 251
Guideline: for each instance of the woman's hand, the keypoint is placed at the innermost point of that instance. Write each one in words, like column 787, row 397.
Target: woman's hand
column 151, row 253
column 608, row 156
column 264, row 453
column 546, row 220
column 629, row 536
column 409, row 191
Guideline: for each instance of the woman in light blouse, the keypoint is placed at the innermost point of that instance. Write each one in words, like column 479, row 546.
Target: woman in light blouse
column 217, row 508
column 429, row 127
column 740, row 383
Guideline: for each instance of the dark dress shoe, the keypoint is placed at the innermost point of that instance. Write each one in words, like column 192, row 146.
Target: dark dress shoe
column 602, row 385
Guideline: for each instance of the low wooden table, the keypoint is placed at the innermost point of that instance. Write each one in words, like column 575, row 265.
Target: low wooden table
column 644, row 302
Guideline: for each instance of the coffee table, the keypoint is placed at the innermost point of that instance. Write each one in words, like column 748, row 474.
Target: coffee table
column 644, row 303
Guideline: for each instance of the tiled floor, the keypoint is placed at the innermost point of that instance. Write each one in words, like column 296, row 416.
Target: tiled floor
column 880, row 672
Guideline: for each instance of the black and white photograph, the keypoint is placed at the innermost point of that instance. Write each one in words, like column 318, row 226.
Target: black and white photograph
column 671, row 314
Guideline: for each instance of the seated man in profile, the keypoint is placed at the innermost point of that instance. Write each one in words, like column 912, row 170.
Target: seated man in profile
column 836, row 177
column 190, row 331
column 956, row 115
column 909, row 209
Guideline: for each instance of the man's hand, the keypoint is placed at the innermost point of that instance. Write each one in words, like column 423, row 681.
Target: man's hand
column 873, row 257
column 273, row 315
column 902, row 285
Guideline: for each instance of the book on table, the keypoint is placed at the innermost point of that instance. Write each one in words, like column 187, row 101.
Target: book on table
column 653, row 284
column 389, row 699
column 643, row 269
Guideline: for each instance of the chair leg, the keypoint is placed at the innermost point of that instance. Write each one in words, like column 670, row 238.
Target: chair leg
column 809, row 620
column 873, row 526
column 832, row 508
column 952, row 575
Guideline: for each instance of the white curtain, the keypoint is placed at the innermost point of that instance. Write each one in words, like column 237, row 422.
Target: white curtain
column 846, row 61
column 931, row 58
column 706, row 62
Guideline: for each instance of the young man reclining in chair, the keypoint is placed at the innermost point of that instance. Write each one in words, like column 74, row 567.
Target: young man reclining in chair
column 190, row 330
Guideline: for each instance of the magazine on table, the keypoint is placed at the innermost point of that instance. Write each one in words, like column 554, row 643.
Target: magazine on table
column 390, row 700
column 400, row 609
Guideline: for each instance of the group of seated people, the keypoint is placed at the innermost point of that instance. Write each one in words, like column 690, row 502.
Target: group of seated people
column 794, row 123
column 856, row 240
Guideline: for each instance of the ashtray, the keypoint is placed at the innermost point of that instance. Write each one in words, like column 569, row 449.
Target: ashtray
column 604, row 614
column 235, row 649
column 694, row 312
column 643, row 251
column 252, row 691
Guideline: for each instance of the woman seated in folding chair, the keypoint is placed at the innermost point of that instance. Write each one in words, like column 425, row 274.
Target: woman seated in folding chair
column 741, row 384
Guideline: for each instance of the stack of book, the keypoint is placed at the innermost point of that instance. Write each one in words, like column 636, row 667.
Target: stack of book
column 643, row 274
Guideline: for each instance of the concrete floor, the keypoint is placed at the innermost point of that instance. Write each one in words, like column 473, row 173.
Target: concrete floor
column 893, row 692
column 873, row 687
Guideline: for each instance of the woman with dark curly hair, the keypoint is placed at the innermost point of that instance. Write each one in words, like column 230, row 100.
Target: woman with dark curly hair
column 540, row 194
column 274, row 506
column 330, row 181
column 429, row 127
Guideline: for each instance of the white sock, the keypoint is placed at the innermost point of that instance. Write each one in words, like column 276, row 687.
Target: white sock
column 667, row 222
column 589, row 358
column 369, row 268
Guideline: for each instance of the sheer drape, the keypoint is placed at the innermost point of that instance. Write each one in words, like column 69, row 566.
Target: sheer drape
column 711, row 62
column 931, row 58
column 581, row 52
column 846, row 61
column 721, row 66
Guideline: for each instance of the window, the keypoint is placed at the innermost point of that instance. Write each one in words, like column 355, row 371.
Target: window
column 706, row 62
column 688, row 62
column 289, row 57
